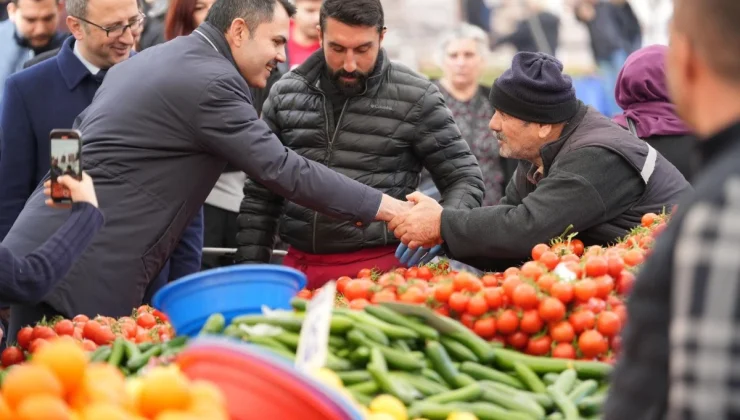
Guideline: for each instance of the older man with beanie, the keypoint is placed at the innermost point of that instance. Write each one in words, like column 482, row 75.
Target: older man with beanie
column 576, row 167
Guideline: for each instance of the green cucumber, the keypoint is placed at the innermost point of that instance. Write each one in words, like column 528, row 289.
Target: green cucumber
column 343, row 353
column 489, row 411
column 482, row 349
column 583, row 390
column 336, row 363
column 373, row 333
column 368, row 388
column 514, row 402
column 360, row 355
column 467, row 393
column 288, row 339
column 290, row 322
column 233, row 331
column 377, row 359
column 457, row 350
column 101, row 354
column 431, row 411
column 267, row 342
column 529, row 378
column 555, row 416
column 425, row 385
column 299, row 304
column 215, row 324
column 505, row 359
column 337, row 342
column 566, row 381
column 354, row 376
column 364, row 399
column 386, row 384
column 401, row 345
column 564, row 404
column 177, row 342
column 432, row 374
column 396, row 358
column 142, row 359
column 592, row 405
column 550, row 378
column 145, row 346
column 392, row 317
column 542, row 399
column 480, row 372
column 390, row 330
column 442, row 363
column 117, row 352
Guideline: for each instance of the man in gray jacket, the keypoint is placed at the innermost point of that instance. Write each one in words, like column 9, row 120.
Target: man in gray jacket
column 576, row 168
column 350, row 108
column 160, row 131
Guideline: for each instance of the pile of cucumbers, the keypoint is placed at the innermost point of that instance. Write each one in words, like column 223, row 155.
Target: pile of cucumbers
column 130, row 358
column 380, row 351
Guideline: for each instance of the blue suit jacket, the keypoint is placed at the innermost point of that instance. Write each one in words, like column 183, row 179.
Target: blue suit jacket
column 36, row 100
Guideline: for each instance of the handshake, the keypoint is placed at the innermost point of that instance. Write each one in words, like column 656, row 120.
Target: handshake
column 417, row 223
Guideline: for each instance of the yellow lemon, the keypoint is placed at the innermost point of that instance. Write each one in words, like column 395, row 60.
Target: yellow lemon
column 380, row 416
column 388, row 404
column 462, row 416
column 327, row 377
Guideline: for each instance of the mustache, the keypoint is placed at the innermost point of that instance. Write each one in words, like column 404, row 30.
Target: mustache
column 353, row 74
column 499, row 136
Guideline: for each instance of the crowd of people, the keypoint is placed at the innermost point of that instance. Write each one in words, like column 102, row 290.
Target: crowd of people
column 349, row 159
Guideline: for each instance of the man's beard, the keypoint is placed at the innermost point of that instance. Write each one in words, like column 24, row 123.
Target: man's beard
column 355, row 87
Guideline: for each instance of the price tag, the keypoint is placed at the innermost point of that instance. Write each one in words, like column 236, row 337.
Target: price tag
column 313, row 345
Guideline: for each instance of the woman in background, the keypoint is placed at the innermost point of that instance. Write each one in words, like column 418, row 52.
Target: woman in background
column 642, row 93
column 183, row 16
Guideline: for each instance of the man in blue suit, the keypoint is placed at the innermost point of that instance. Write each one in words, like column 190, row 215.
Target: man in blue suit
column 52, row 93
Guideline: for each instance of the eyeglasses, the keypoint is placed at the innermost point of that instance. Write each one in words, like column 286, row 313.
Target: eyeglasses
column 135, row 24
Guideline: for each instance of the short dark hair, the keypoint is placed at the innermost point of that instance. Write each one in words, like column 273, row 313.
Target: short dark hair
column 16, row 1
column 254, row 12
column 353, row 13
column 712, row 27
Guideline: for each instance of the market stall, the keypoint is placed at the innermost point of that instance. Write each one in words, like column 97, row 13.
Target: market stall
column 246, row 342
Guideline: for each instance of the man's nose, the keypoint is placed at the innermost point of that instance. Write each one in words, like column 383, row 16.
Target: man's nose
column 127, row 37
column 495, row 123
column 350, row 64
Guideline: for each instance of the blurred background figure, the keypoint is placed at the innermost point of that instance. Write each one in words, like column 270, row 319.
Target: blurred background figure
column 32, row 29
column 304, row 35
column 642, row 92
column 153, row 33
column 183, row 16
column 538, row 32
column 462, row 56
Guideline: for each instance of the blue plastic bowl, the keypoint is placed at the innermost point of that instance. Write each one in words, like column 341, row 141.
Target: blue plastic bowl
column 231, row 291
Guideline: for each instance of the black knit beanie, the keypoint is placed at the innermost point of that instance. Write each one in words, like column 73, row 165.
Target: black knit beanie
column 535, row 90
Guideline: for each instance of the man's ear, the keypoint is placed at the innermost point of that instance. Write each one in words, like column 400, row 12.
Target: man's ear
column 11, row 11
column 238, row 32
column 382, row 33
column 544, row 130
column 321, row 35
column 75, row 27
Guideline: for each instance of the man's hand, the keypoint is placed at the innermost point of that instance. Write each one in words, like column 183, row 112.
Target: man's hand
column 422, row 225
column 79, row 191
column 391, row 208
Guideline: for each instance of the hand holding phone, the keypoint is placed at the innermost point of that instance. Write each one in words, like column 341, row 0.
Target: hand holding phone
column 65, row 160
column 79, row 191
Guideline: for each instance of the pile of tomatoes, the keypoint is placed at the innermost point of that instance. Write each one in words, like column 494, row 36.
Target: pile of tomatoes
column 145, row 324
column 568, row 302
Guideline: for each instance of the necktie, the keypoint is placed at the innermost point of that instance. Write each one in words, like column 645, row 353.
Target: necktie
column 100, row 76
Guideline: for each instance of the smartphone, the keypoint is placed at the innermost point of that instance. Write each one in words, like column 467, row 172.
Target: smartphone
column 66, row 145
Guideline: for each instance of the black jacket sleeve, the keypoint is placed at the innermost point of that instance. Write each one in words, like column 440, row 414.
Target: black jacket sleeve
column 260, row 209
column 447, row 156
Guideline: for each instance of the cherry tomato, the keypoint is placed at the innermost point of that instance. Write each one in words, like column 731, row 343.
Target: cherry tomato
column 616, row 265
column 511, row 271
column 146, row 320
column 91, row 329
column 604, row 286
column 424, row 273
column 12, row 356
column 625, row 282
column 658, row 229
column 89, row 345
column 592, row 343
column 562, row 291
column 649, row 219
column 105, row 335
column 539, row 346
column 531, row 323
column 633, row 257
column 546, row 281
column 494, row 297
column 459, row 302
column 538, row 250
column 562, row 332
column 443, row 310
column 584, row 289
column 64, row 327
column 36, row 344
column 44, row 332
column 621, row 311
column 477, row 305
column 143, row 309
column 305, row 294
column 468, row 320
column 551, row 310
column 608, row 323
column 525, row 296
column 582, row 320
column 518, row 340
column 443, row 291
column 596, row 305
column 550, row 260
column 80, row 319
column 485, row 327
column 358, row 304
column 564, row 351
column 511, row 283
column 577, row 246
column 489, row 280
column 342, row 282
column 532, row 270
column 365, row 273
column 413, row 295
column 382, row 296
column 597, row 266
column 507, row 322
column 358, row 289
column 25, row 336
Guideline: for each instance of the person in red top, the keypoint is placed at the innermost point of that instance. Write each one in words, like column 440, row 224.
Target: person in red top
column 304, row 32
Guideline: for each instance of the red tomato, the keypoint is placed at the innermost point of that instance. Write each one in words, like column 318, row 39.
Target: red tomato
column 485, row 327
column 390, row 280
column 358, row 289
column 647, row 242
column 382, row 296
column 413, row 295
column 12, row 356
column 596, row 305
column 592, row 343
column 625, row 282
column 365, row 273
column 562, row 332
column 443, row 310
column 518, row 340
column 80, row 319
column 105, row 335
column 594, row 250
column 412, row 273
column 77, row 334
column 564, row 351
column 489, row 280
column 507, row 322
column 658, row 229
column 608, row 324
column 604, row 286
column 511, row 271
column 584, row 289
column 25, row 336
column 511, row 283
column 552, row 310
column 89, row 345
column 37, row 344
column 44, row 332
column 546, row 281
column 424, row 273
column 615, row 343
column 539, row 346
column 550, row 260
column 616, row 265
column 459, row 302
column 494, row 297
column 144, row 337
column 146, row 320
column 143, row 309
column 634, row 257
column 582, row 320
column 531, row 323
column 597, row 266
column 468, row 320
column 129, row 329
column 525, row 296
column 477, row 305
column 400, row 271
column 443, row 291
column 358, row 304
column 621, row 311
column 649, row 219
column 532, row 270
column 305, row 294
column 64, row 327
column 562, row 291
column 577, row 246
column 342, row 282
column 538, row 250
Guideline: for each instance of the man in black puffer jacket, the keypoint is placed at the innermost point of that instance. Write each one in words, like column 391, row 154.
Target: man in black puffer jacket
column 374, row 121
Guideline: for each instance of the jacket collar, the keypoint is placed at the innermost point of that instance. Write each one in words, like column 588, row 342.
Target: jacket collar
column 72, row 69
column 549, row 151
column 719, row 144
column 312, row 68
column 212, row 36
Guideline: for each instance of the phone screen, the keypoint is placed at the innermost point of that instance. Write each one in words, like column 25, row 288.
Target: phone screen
column 65, row 160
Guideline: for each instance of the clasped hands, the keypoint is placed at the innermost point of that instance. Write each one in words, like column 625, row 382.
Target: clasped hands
column 418, row 226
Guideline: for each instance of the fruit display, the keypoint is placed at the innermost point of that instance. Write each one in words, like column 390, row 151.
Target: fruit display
column 567, row 302
column 59, row 383
column 434, row 365
column 145, row 325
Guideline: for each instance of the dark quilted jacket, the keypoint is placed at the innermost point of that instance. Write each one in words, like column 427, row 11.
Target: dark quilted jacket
column 384, row 138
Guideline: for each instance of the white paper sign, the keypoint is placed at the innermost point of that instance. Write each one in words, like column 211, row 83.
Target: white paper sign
column 313, row 346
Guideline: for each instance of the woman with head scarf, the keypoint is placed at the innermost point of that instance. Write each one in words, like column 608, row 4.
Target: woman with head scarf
column 642, row 93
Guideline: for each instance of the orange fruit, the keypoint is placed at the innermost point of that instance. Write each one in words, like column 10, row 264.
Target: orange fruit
column 101, row 383
column 66, row 359
column 161, row 390
column 24, row 381
column 205, row 392
column 104, row 411
column 176, row 415
column 43, row 407
column 5, row 413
